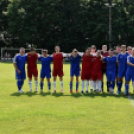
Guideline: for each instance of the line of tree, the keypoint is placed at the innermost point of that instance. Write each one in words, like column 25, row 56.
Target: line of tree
column 68, row 23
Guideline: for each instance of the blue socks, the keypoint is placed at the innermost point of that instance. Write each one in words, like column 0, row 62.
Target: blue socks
column 71, row 86
column 41, row 85
column 127, row 87
column 119, row 86
column 77, row 85
column 20, row 84
column 49, row 85
column 113, row 84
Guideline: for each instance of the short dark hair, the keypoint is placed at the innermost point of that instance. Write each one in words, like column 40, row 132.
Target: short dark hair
column 33, row 49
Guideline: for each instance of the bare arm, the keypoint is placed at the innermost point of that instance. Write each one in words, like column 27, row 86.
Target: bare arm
column 130, row 64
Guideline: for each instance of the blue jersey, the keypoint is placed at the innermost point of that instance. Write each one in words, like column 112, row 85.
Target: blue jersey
column 75, row 62
column 111, row 63
column 20, row 61
column 122, row 59
column 45, row 61
column 130, row 69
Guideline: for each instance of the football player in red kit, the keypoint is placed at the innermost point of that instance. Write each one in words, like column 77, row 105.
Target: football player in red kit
column 87, row 60
column 97, row 71
column 58, row 67
column 32, row 58
column 104, row 53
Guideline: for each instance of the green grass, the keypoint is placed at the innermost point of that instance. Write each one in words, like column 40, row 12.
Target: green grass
column 35, row 113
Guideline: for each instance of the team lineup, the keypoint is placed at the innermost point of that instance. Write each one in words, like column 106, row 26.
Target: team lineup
column 116, row 65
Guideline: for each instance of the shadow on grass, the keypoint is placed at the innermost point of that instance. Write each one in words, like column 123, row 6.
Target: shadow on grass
column 76, row 95
column 57, row 94
column 44, row 94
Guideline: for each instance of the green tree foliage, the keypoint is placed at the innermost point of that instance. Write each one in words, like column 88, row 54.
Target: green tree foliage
column 70, row 23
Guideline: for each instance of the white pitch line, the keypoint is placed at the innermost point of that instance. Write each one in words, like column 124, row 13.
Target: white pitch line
column 131, row 100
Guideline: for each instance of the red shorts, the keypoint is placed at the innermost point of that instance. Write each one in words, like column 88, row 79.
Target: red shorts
column 58, row 72
column 96, row 76
column 32, row 72
column 85, row 75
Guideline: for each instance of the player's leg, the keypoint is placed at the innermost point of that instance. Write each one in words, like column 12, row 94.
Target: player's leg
column 128, row 78
column 49, row 84
column 71, row 80
column 108, row 78
column 120, row 75
column 94, row 81
column 77, row 84
column 61, row 83
column 99, row 81
column 41, row 84
column 83, row 78
column 54, row 83
column 54, row 80
column 77, row 74
column 29, row 72
column 35, row 74
column 71, row 84
column 112, row 82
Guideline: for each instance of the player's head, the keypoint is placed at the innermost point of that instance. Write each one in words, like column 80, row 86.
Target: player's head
column 22, row 50
column 111, row 52
column 129, row 49
column 33, row 51
column 45, row 52
column 74, row 52
column 98, row 53
column 88, row 50
column 57, row 48
column 133, row 51
column 118, row 49
column 93, row 49
column 104, row 48
column 123, row 48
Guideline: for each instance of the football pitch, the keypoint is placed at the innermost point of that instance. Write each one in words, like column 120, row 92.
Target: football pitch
column 35, row 113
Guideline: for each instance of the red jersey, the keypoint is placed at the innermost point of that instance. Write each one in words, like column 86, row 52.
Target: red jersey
column 32, row 61
column 58, row 61
column 87, row 62
column 97, row 64
column 104, row 65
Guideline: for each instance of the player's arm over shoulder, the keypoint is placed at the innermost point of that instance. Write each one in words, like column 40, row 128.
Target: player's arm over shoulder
column 129, row 62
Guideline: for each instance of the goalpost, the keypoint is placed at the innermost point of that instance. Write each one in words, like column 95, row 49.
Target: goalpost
column 7, row 54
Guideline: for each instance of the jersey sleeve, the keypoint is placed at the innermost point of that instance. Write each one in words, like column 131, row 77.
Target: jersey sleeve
column 15, row 59
column 50, row 58
column 105, row 59
column 80, row 54
column 128, row 59
column 64, row 54
column 39, row 58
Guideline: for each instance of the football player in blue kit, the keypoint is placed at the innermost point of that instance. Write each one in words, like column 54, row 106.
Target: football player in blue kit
column 19, row 65
column 111, row 70
column 122, row 63
column 45, row 69
column 129, row 72
column 74, row 68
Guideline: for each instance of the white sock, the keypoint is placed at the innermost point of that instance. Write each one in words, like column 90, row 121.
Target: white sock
column 94, row 84
column 91, row 84
column 82, row 85
column 133, row 85
column 30, row 85
column 99, row 84
column 54, row 84
column 87, row 85
column 61, row 83
column 36, row 84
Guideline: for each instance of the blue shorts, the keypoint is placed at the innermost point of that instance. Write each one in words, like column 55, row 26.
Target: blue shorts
column 45, row 74
column 75, row 72
column 111, row 75
column 121, row 74
column 21, row 76
column 129, row 77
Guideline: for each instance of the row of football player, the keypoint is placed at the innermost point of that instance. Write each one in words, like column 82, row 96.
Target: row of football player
column 92, row 68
